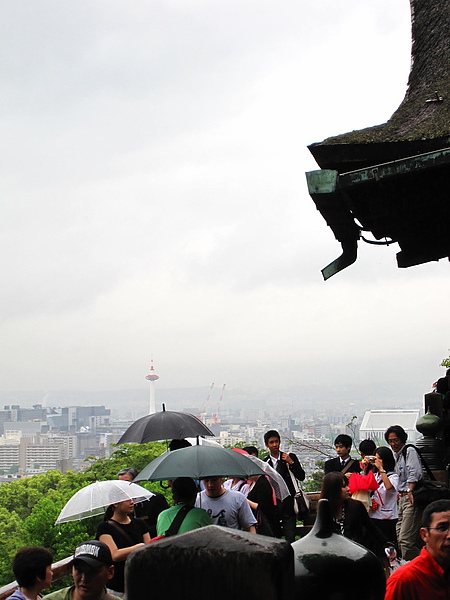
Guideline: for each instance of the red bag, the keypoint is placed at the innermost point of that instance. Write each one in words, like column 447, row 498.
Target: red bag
column 374, row 506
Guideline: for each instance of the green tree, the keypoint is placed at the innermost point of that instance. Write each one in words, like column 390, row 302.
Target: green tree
column 40, row 524
column 12, row 538
column 352, row 426
column 446, row 362
column 29, row 507
column 313, row 482
column 128, row 455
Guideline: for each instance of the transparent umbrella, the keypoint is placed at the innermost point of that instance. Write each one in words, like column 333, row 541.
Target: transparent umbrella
column 277, row 482
column 93, row 499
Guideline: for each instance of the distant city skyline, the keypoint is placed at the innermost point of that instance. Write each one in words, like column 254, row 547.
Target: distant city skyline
column 349, row 398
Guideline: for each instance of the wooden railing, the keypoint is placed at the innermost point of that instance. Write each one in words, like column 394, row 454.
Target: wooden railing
column 304, row 529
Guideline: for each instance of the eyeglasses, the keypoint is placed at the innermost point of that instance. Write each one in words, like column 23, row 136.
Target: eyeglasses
column 444, row 528
column 393, row 441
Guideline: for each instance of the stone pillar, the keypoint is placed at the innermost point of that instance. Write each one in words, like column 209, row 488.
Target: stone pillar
column 328, row 566
column 212, row 562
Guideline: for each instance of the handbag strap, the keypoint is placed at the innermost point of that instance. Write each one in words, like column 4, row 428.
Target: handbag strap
column 179, row 518
column 347, row 466
column 294, row 481
column 379, row 497
column 123, row 533
column 377, row 491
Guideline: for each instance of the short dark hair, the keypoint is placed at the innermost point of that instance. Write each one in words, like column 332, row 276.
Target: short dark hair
column 399, row 432
column 344, row 439
column 30, row 563
column 434, row 507
column 184, row 490
column 387, row 457
column 442, row 385
column 251, row 450
column 128, row 471
column 178, row 444
column 270, row 434
column 367, row 447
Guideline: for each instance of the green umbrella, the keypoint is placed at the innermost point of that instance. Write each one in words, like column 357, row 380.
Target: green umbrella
column 198, row 462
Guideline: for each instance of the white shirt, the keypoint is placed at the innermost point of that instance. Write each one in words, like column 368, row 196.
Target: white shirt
column 386, row 498
column 231, row 509
column 409, row 470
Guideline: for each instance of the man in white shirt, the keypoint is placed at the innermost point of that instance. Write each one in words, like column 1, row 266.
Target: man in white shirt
column 226, row 508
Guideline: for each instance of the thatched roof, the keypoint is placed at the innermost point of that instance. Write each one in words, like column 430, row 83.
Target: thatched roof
column 422, row 121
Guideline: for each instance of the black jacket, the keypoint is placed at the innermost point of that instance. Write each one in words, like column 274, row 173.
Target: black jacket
column 335, row 464
column 283, row 469
column 360, row 528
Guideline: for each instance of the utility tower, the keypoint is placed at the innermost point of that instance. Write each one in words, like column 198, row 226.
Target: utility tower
column 152, row 377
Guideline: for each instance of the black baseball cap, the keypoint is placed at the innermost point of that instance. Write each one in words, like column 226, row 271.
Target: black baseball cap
column 94, row 553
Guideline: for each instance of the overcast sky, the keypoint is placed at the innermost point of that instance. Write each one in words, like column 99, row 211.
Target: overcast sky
column 154, row 200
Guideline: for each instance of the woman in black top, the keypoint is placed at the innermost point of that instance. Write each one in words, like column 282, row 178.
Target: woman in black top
column 350, row 516
column 122, row 534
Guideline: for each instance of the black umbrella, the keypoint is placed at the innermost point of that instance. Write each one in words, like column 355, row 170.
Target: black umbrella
column 164, row 425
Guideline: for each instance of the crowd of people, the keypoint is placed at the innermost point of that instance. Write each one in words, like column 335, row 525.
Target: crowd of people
column 371, row 501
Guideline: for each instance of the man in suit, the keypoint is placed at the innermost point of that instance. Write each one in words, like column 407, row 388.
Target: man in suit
column 285, row 464
column 343, row 462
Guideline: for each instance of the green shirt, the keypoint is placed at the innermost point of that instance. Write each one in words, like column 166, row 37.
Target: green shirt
column 67, row 594
column 195, row 518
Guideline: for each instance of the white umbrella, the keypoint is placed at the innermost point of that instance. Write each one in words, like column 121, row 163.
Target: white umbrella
column 93, row 499
column 277, row 482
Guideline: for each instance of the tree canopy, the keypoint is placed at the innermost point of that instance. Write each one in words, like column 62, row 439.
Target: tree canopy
column 29, row 507
column 445, row 362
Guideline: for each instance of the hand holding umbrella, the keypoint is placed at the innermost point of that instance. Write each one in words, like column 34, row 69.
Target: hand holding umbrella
column 92, row 500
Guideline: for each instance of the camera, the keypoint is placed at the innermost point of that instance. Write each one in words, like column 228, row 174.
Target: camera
column 371, row 459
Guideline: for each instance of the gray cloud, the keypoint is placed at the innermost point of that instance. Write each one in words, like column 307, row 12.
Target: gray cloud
column 154, row 198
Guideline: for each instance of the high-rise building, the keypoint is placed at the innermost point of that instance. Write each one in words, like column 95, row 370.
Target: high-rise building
column 9, row 456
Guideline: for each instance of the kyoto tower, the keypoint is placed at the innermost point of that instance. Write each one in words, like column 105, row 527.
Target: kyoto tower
column 152, row 377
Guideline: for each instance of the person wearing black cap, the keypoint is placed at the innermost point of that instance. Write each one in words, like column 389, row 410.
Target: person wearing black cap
column 92, row 568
